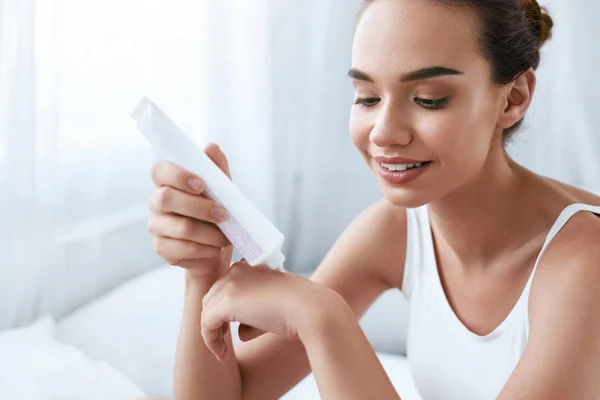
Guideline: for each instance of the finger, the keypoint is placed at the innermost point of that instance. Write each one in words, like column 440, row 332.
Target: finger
column 175, row 250
column 166, row 173
column 213, row 319
column 191, row 229
column 247, row 333
column 217, row 289
column 213, row 151
column 169, row 200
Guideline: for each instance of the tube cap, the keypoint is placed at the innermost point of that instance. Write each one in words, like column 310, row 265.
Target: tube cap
column 275, row 261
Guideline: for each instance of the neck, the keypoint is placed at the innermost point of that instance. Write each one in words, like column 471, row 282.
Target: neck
column 484, row 218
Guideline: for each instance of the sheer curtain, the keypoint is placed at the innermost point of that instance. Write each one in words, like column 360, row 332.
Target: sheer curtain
column 74, row 170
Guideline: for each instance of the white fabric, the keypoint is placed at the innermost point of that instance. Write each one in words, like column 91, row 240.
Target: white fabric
column 448, row 360
column 34, row 366
column 134, row 328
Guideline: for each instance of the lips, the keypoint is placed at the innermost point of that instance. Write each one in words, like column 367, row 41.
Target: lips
column 404, row 176
column 397, row 160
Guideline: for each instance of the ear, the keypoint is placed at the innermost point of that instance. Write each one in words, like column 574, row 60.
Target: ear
column 518, row 98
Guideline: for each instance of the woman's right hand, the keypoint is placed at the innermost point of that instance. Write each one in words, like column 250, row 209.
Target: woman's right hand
column 183, row 222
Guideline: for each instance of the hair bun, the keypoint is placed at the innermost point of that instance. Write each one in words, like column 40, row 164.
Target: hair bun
column 539, row 20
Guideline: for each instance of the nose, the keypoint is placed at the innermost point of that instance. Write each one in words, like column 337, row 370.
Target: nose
column 391, row 129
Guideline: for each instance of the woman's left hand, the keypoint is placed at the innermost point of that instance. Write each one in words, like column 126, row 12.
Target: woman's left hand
column 262, row 298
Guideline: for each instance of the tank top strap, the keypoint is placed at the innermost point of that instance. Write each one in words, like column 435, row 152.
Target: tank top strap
column 559, row 224
column 418, row 241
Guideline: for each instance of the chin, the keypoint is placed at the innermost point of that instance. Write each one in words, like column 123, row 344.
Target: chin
column 404, row 198
column 411, row 195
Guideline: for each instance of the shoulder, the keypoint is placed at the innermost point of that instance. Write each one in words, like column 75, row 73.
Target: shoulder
column 565, row 287
column 563, row 351
column 375, row 243
column 574, row 254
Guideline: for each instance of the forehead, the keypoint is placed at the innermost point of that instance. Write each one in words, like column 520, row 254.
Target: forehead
column 409, row 34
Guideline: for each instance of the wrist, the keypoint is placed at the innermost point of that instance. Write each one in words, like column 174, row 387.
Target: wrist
column 326, row 318
column 201, row 283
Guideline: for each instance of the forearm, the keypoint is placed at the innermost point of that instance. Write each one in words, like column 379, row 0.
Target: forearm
column 198, row 374
column 343, row 361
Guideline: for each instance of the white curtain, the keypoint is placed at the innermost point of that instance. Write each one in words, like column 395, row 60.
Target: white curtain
column 561, row 138
column 74, row 170
column 265, row 79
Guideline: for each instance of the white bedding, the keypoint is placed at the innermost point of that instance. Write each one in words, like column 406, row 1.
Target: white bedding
column 35, row 366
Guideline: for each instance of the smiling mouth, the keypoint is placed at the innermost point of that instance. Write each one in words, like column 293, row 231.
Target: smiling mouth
column 402, row 167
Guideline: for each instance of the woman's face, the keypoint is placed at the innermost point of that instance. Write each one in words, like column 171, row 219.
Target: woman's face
column 423, row 94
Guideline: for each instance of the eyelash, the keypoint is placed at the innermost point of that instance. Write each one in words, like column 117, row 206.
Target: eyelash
column 428, row 104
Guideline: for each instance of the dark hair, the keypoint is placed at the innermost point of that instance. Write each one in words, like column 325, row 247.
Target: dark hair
column 512, row 33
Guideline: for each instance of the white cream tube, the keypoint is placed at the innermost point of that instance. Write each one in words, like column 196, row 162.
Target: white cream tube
column 250, row 231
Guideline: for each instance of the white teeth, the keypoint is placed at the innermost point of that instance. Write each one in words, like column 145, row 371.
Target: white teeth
column 400, row 167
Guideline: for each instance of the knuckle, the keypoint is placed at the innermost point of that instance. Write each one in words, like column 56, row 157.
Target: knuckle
column 158, row 244
column 155, row 172
column 151, row 204
column 238, row 269
column 163, row 197
column 151, row 225
column 159, row 171
column 161, row 248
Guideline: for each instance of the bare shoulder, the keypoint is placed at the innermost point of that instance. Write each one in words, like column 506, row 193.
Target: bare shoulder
column 565, row 288
column 563, row 353
column 572, row 259
column 576, row 194
column 382, row 232
column 374, row 245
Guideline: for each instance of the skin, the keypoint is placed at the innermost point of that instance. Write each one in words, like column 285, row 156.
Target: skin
column 489, row 219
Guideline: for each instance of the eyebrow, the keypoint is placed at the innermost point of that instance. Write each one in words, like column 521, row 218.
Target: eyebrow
column 423, row 73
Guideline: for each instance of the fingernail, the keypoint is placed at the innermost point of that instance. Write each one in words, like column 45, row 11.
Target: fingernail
column 196, row 184
column 219, row 213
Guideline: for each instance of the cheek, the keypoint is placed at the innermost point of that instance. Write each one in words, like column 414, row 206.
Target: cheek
column 459, row 136
column 360, row 130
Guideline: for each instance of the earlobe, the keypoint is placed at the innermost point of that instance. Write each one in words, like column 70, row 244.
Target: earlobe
column 518, row 99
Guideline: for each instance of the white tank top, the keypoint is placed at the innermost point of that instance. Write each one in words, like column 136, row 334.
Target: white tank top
column 447, row 360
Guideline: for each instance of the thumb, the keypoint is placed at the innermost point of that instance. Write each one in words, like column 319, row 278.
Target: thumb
column 213, row 151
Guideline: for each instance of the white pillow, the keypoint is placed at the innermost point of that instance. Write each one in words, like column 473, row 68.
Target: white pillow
column 134, row 328
column 34, row 366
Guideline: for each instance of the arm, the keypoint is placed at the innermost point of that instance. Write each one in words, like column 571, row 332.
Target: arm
column 342, row 359
column 562, row 357
column 198, row 374
column 357, row 268
column 184, row 234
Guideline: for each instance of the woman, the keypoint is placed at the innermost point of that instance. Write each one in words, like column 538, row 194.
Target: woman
column 500, row 265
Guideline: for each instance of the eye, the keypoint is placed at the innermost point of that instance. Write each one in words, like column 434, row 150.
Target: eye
column 367, row 102
column 432, row 104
